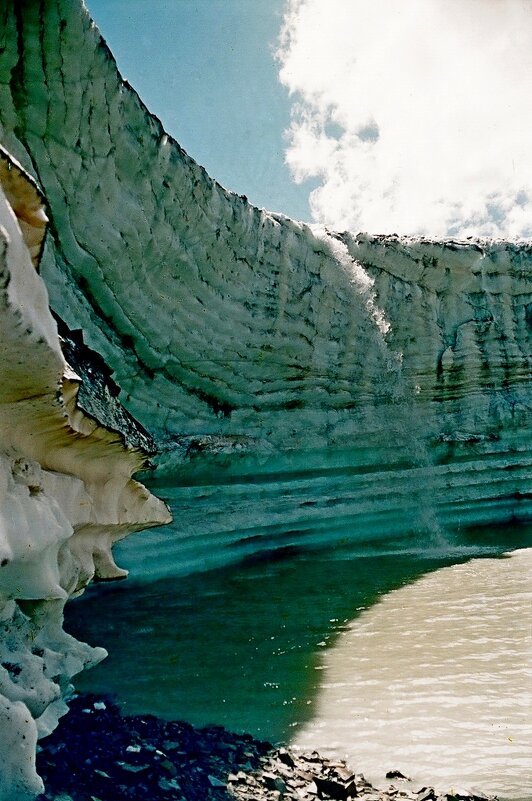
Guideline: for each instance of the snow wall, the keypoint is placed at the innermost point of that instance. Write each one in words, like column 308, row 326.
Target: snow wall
column 250, row 343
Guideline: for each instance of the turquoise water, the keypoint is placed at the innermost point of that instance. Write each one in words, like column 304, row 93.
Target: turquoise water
column 250, row 608
column 353, row 501
column 241, row 645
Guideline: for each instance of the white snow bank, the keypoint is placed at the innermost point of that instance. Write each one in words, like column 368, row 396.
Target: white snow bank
column 66, row 495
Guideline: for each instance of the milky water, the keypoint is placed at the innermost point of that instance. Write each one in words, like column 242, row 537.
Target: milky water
column 436, row 680
column 409, row 652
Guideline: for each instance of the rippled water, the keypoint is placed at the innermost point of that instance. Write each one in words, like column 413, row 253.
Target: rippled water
column 236, row 646
column 436, row 680
column 320, row 602
column 398, row 660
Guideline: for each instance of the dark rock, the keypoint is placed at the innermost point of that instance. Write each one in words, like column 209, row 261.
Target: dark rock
column 460, row 795
column 215, row 782
column 168, row 784
column 98, row 393
column 426, row 794
column 284, row 756
column 169, row 766
column 313, row 757
column 330, row 788
column 132, row 768
column 274, row 783
column 105, row 756
column 396, row 774
column 351, row 790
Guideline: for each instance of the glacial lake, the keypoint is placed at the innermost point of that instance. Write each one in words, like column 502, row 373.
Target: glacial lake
column 400, row 653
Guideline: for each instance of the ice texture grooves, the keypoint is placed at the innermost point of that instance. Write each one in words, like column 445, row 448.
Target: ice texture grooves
column 241, row 331
column 66, row 493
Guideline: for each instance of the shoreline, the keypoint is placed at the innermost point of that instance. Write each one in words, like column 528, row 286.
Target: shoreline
column 99, row 754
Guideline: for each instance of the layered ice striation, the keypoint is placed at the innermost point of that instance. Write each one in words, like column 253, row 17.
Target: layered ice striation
column 232, row 330
column 382, row 380
column 66, row 492
column 258, row 342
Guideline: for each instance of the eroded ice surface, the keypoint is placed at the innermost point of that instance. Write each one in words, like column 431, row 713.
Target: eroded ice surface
column 235, row 331
column 66, row 493
column 229, row 327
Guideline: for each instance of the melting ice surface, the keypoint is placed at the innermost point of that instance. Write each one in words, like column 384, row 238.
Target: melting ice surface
column 436, row 680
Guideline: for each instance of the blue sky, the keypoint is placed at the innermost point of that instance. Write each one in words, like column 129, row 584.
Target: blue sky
column 206, row 69
column 403, row 117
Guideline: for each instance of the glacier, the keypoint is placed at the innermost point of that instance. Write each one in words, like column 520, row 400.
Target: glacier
column 67, row 454
column 225, row 323
column 247, row 343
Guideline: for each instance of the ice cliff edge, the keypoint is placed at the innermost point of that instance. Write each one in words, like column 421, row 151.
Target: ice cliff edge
column 224, row 324
column 227, row 324
column 66, row 492
column 222, row 319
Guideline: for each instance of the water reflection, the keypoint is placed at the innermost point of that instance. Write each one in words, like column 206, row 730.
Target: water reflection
column 240, row 646
column 435, row 680
column 237, row 646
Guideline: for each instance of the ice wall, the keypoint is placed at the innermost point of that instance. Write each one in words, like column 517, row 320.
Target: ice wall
column 66, row 493
column 233, row 329
column 380, row 379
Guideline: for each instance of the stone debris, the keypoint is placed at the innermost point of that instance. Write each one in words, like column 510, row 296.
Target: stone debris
column 106, row 756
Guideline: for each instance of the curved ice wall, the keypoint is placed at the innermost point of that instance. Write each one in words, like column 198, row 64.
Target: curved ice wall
column 67, row 454
column 229, row 327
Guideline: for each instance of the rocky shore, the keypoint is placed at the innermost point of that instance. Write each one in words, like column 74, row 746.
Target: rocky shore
column 98, row 754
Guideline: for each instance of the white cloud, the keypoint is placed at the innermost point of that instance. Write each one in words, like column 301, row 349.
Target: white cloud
column 416, row 115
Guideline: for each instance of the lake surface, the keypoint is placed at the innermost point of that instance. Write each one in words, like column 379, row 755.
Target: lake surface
column 262, row 642
column 437, row 676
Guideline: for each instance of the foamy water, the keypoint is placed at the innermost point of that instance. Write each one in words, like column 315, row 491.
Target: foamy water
column 435, row 680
